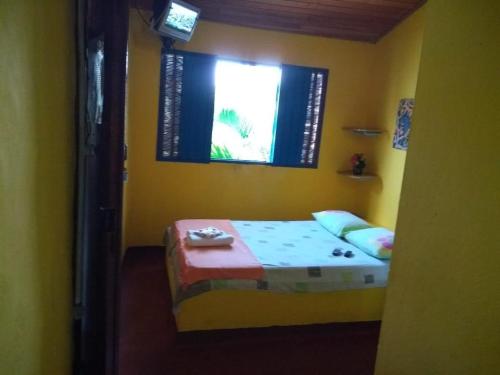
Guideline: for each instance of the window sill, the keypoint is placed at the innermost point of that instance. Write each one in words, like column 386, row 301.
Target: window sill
column 240, row 162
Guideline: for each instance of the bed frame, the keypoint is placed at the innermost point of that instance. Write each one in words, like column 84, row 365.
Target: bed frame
column 230, row 309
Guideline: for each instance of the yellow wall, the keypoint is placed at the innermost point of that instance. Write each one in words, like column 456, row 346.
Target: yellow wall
column 36, row 185
column 159, row 192
column 395, row 72
column 443, row 301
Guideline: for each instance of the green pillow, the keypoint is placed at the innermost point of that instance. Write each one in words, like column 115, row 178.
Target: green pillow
column 339, row 223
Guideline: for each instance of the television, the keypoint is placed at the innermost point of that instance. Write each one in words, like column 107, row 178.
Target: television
column 177, row 20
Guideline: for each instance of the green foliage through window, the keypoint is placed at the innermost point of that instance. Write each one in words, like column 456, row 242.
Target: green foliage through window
column 220, row 153
column 230, row 117
column 244, row 111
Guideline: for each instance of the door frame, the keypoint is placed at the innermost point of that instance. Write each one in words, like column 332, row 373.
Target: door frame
column 96, row 334
column 115, row 68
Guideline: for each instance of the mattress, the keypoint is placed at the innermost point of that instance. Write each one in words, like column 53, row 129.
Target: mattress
column 297, row 258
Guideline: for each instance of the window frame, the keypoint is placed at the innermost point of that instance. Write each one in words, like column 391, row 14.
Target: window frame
column 314, row 165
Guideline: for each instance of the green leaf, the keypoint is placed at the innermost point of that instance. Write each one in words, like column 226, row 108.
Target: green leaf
column 220, row 153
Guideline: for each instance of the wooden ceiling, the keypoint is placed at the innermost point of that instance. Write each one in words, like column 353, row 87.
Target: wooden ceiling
column 362, row 20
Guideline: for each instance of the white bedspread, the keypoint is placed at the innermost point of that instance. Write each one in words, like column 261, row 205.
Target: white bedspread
column 300, row 253
column 297, row 258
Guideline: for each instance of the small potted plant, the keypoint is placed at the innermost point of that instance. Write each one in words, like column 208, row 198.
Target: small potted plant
column 358, row 163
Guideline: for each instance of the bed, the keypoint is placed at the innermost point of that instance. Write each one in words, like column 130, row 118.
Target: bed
column 302, row 282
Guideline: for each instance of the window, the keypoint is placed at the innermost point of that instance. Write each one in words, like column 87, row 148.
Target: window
column 212, row 109
column 245, row 111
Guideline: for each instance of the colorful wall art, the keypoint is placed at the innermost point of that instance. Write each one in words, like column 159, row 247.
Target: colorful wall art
column 403, row 124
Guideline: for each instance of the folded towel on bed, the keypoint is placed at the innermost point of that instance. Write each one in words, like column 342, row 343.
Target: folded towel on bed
column 208, row 232
column 208, row 237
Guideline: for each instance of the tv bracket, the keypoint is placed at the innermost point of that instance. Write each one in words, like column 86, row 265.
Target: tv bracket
column 168, row 43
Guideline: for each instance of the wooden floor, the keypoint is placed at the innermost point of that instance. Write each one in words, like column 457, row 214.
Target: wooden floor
column 149, row 344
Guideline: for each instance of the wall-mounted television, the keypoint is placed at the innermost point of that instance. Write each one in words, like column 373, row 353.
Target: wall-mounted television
column 177, row 20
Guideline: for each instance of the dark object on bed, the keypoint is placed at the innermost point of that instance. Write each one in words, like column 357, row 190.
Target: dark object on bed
column 339, row 252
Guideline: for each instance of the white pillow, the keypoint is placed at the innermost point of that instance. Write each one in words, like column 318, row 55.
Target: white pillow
column 377, row 242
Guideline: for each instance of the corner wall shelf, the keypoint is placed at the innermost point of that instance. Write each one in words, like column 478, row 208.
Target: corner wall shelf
column 363, row 177
column 364, row 132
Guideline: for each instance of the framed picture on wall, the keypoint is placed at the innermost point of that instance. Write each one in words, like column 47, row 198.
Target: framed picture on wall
column 403, row 124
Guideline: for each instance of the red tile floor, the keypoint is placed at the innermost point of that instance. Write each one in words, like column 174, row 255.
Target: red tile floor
column 150, row 345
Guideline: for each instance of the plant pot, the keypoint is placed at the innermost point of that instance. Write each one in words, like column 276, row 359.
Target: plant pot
column 357, row 171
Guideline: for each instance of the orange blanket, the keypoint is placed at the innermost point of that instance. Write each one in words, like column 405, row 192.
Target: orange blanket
column 214, row 263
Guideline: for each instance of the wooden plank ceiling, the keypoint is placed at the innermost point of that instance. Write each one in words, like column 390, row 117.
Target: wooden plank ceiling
column 362, row 20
